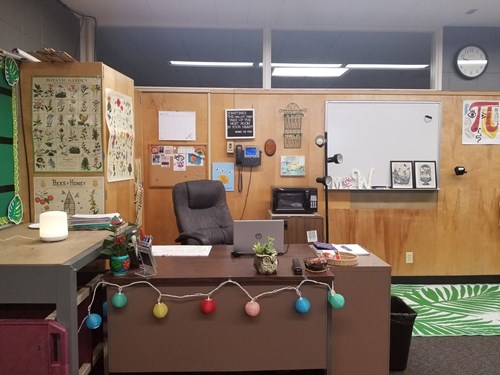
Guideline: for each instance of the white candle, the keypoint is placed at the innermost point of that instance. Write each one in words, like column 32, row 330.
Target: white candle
column 53, row 226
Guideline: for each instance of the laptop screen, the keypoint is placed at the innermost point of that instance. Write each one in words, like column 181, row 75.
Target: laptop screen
column 248, row 232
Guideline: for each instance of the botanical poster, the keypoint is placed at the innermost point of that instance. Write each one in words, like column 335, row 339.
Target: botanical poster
column 66, row 124
column 480, row 122
column 74, row 195
column 120, row 121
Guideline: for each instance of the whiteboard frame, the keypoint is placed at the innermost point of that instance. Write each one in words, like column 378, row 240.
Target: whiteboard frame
column 366, row 142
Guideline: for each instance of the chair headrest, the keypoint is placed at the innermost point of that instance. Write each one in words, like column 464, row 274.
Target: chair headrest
column 204, row 194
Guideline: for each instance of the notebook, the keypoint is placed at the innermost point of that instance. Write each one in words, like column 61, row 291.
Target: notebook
column 247, row 232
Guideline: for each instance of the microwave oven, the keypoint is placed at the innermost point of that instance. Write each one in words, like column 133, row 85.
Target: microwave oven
column 294, row 200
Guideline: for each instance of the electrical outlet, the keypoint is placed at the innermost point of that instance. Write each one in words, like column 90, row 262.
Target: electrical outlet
column 409, row 257
column 230, row 147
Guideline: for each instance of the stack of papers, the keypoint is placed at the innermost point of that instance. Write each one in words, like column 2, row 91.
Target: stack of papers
column 181, row 250
column 90, row 222
column 321, row 247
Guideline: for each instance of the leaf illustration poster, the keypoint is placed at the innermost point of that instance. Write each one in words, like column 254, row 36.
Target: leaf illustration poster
column 74, row 195
column 67, row 124
column 120, row 121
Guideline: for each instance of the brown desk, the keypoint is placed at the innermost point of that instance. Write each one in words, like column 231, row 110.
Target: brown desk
column 361, row 330
column 33, row 271
column 354, row 341
column 228, row 340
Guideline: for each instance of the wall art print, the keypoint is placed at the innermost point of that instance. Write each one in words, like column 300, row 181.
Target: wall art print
column 67, row 124
column 425, row 174
column 293, row 166
column 402, row 174
column 480, row 122
column 120, row 121
column 74, row 195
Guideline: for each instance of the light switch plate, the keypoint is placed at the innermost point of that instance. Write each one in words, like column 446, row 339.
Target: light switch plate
column 230, row 147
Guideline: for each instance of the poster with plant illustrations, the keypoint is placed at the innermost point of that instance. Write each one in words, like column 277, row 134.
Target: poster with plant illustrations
column 74, row 195
column 120, row 121
column 67, row 124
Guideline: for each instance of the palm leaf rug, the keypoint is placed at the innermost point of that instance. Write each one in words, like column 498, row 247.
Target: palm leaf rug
column 453, row 310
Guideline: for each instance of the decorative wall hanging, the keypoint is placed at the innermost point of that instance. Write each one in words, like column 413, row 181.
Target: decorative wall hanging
column 292, row 117
column 480, row 122
column 73, row 195
column 67, row 124
column 10, row 203
column 120, row 121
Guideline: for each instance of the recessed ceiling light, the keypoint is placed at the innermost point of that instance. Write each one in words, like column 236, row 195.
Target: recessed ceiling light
column 295, row 65
column 212, row 64
column 308, row 72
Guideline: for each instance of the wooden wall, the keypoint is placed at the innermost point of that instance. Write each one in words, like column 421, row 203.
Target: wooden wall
column 454, row 231
column 119, row 196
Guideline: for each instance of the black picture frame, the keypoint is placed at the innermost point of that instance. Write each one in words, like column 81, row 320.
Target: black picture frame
column 402, row 175
column 425, row 174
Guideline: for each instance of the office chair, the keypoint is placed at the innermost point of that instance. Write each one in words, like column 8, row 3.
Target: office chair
column 202, row 214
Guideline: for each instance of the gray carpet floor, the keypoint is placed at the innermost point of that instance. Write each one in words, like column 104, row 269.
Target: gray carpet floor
column 462, row 355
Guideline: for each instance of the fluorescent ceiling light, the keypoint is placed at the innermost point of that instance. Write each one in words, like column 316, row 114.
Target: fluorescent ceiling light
column 387, row 66
column 213, row 64
column 293, row 65
column 308, row 72
column 472, row 62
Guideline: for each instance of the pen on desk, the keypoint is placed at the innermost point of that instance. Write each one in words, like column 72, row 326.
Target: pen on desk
column 345, row 248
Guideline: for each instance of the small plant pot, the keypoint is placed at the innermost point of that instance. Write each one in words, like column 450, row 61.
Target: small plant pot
column 119, row 264
column 266, row 264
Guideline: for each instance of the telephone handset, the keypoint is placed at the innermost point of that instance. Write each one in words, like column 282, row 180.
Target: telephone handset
column 247, row 156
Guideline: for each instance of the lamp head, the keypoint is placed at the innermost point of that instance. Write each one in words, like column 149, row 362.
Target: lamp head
column 325, row 180
column 460, row 171
column 337, row 159
column 320, row 140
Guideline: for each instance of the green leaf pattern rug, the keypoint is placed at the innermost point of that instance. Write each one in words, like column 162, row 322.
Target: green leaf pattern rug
column 453, row 310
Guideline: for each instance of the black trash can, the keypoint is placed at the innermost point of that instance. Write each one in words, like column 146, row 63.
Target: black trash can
column 402, row 319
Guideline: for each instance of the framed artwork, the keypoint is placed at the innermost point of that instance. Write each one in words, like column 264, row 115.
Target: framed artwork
column 293, row 166
column 401, row 175
column 425, row 175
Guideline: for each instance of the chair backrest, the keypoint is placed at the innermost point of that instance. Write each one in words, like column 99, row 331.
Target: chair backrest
column 200, row 206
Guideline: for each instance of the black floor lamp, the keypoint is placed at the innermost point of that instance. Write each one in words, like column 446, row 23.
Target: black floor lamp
column 326, row 180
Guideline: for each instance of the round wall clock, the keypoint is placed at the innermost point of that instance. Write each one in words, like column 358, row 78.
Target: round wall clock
column 471, row 61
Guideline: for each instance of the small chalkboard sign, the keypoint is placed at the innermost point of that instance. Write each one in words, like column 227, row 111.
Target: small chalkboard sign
column 240, row 123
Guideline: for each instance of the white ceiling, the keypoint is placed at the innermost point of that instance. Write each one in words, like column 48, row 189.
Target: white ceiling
column 139, row 37
column 407, row 15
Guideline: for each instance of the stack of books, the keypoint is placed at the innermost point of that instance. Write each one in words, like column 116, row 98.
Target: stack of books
column 94, row 222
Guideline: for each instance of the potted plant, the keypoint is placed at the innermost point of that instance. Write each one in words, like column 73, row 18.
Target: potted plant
column 118, row 246
column 266, row 257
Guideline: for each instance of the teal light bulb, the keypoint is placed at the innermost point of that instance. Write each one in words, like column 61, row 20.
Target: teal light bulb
column 119, row 300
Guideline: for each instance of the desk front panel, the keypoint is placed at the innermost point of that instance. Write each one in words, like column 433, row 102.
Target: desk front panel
column 226, row 340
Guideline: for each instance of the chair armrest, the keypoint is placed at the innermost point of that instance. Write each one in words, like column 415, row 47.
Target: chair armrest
column 199, row 237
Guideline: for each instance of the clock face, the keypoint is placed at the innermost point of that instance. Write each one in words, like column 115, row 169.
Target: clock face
column 471, row 62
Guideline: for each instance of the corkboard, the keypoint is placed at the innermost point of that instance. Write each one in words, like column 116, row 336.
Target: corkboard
column 171, row 164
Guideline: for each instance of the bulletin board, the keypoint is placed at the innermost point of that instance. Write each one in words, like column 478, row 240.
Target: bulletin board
column 371, row 134
column 170, row 164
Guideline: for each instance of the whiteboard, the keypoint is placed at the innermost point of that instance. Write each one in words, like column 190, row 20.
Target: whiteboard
column 371, row 134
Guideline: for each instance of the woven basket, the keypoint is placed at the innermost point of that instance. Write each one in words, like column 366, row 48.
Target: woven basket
column 346, row 259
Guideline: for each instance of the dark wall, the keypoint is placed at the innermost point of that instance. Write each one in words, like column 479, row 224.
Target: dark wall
column 455, row 38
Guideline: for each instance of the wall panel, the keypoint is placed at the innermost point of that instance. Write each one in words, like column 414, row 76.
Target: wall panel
column 454, row 231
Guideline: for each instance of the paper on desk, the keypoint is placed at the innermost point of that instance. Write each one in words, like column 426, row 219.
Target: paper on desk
column 352, row 248
column 181, row 250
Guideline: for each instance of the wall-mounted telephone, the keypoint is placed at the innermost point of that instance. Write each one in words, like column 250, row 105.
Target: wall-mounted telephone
column 247, row 156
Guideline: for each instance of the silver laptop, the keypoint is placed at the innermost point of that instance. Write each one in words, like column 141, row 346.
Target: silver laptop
column 247, row 232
